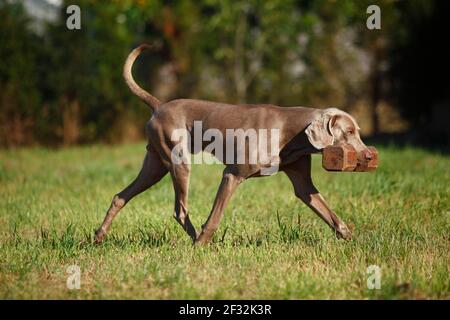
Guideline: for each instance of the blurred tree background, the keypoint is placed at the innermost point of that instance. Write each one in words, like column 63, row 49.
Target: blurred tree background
column 63, row 87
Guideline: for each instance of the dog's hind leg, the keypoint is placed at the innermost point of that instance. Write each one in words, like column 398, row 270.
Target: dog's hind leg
column 152, row 172
column 180, row 177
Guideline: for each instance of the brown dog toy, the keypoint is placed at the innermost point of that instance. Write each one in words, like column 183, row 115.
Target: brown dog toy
column 345, row 158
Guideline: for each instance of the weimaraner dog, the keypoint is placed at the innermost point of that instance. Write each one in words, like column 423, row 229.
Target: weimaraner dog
column 302, row 131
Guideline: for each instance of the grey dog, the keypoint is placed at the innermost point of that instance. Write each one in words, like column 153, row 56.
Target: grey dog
column 303, row 131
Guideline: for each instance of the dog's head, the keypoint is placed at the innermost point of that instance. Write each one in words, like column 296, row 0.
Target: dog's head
column 336, row 127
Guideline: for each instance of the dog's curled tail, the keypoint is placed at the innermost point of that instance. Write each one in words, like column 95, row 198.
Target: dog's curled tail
column 150, row 100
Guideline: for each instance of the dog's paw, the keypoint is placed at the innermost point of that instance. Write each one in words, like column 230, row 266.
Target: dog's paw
column 200, row 242
column 202, row 239
column 343, row 232
column 99, row 236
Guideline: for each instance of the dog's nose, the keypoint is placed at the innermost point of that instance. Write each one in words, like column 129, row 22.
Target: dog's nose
column 368, row 155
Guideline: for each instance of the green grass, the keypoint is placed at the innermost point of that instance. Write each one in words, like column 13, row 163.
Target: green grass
column 269, row 244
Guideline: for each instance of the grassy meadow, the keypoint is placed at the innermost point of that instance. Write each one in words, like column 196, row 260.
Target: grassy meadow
column 269, row 245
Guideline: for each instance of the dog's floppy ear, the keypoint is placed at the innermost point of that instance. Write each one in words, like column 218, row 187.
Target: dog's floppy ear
column 319, row 131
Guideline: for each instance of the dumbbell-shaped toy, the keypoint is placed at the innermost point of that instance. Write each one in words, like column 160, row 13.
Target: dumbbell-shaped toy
column 345, row 158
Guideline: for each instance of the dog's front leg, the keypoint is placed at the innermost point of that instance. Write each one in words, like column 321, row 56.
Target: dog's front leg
column 299, row 173
column 227, row 187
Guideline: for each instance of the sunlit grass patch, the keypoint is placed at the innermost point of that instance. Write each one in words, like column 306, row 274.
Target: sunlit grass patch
column 269, row 244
